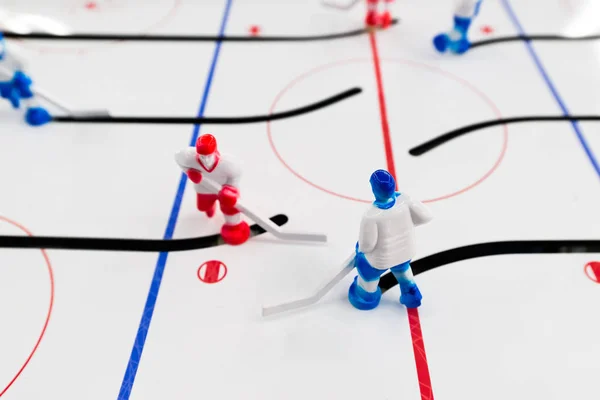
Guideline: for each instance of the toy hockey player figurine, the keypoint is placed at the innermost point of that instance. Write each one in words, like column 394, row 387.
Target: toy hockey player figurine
column 456, row 40
column 387, row 241
column 204, row 160
column 374, row 17
column 15, row 86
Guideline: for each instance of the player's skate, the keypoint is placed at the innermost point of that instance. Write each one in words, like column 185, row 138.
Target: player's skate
column 362, row 299
column 235, row 234
column 411, row 295
column 19, row 88
column 455, row 41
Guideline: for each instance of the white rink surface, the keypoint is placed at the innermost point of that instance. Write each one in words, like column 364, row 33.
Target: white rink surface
column 512, row 326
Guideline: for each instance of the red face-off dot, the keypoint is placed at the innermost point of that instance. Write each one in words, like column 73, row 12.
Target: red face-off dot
column 91, row 5
column 212, row 271
column 592, row 271
column 487, row 29
column 254, row 30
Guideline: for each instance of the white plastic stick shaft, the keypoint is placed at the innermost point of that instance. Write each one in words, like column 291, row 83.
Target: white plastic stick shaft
column 266, row 223
column 44, row 95
column 53, row 100
column 327, row 286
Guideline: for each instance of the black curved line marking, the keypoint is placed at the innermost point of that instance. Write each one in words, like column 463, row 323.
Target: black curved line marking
column 493, row 249
column 446, row 137
column 185, row 38
column 118, row 244
column 211, row 120
column 529, row 38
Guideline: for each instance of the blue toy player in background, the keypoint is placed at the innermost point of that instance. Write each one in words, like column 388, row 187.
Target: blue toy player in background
column 15, row 86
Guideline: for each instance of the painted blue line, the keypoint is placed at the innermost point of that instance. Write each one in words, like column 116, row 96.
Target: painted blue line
column 552, row 88
column 140, row 339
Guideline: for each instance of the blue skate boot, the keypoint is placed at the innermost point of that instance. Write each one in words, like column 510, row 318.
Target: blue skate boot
column 37, row 116
column 411, row 295
column 456, row 41
column 362, row 299
column 16, row 89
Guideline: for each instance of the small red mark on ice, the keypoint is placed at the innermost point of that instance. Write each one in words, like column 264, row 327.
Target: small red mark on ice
column 254, row 30
column 91, row 5
column 592, row 271
column 487, row 29
column 212, row 271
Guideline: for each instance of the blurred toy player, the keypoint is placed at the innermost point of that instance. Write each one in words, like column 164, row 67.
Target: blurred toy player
column 387, row 241
column 456, row 40
column 205, row 160
column 15, row 86
column 376, row 17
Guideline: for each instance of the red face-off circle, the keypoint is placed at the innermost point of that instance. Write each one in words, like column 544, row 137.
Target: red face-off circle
column 212, row 271
column 592, row 271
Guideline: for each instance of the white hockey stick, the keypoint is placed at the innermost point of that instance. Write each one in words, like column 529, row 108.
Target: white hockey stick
column 344, row 6
column 65, row 108
column 57, row 103
column 265, row 223
column 327, row 286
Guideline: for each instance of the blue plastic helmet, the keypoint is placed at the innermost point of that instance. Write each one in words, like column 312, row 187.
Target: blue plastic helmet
column 383, row 185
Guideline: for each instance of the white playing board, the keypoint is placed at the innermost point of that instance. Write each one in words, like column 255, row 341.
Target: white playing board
column 130, row 325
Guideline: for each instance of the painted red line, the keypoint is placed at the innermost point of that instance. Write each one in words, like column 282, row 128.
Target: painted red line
column 385, row 126
column 48, row 315
column 413, row 313
column 420, row 355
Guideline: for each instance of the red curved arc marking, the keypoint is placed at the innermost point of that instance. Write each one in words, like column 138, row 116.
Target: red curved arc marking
column 81, row 50
column 47, row 321
column 478, row 92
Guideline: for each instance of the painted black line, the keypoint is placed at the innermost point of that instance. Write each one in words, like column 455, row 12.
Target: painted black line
column 529, row 38
column 107, row 119
column 122, row 244
column 184, row 38
column 493, row 249
column 456, row 133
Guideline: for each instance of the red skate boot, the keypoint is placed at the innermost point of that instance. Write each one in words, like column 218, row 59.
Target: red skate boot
column 235, row 234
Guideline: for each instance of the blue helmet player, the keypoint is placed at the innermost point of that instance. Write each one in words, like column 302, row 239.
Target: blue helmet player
column 387, row 242
column 15, row 86
column 456, row 40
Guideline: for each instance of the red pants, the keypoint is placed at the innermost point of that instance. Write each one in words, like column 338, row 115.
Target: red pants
column 207, row 203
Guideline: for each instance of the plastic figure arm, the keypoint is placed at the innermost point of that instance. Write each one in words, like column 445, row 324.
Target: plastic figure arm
column 12, row 61
column 467, row 8
column 186, row 158
column 367, row 239
column 419, row 213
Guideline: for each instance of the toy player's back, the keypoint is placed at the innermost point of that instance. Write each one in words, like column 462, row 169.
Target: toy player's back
column 394, row 229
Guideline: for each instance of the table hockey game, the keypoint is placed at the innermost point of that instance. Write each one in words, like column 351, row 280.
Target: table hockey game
column 114, row 286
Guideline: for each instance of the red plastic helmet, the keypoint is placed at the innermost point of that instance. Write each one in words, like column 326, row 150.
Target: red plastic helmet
column 206, row 144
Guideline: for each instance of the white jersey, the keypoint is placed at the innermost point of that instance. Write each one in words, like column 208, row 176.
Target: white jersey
column 223, row 171
column 387, row 236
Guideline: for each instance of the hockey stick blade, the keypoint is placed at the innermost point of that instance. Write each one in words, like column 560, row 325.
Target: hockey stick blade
column 266, row 224
column 90, row 113
column 345, row 7
column 329, row 284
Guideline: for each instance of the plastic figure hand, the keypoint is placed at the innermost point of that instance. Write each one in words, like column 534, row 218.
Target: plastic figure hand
column 194, row 175
column 228, row 196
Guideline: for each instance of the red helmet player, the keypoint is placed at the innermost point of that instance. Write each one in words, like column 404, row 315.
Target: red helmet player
column 206, row 144
column 204, row 161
